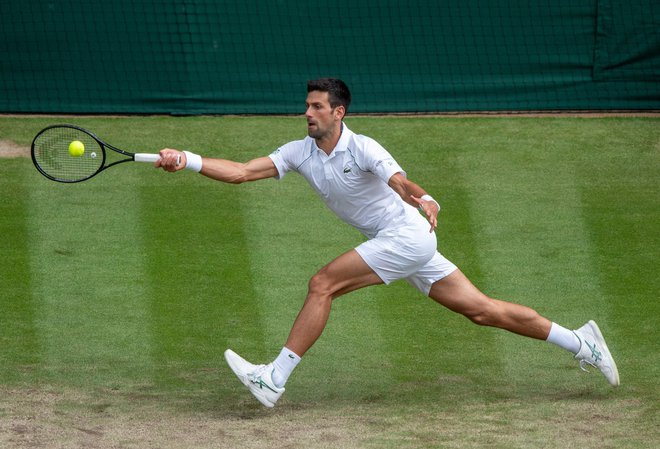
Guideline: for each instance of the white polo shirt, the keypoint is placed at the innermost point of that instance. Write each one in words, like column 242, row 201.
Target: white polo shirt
column 352, row 180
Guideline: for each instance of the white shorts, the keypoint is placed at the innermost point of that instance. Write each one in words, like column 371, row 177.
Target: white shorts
column 406, row 252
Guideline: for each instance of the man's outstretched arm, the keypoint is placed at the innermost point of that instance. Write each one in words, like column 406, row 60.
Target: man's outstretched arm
column 219, row 169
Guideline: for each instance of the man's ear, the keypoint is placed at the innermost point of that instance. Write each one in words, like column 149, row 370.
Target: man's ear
column 340, row 112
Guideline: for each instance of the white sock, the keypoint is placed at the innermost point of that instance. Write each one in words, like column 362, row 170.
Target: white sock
column 283, row 366
column 564, row 338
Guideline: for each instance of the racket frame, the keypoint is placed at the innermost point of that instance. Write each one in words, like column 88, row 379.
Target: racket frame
column 131, row 157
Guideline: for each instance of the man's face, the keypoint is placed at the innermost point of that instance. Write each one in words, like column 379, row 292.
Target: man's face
column 322, row 119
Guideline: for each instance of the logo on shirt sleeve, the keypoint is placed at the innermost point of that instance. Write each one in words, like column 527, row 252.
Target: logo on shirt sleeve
column 388, row 162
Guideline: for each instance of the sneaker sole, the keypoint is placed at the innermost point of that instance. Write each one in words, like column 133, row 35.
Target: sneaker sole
column 601, row 341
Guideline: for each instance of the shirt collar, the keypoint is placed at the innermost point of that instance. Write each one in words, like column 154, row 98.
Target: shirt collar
column 342, row 144
column 345, row 137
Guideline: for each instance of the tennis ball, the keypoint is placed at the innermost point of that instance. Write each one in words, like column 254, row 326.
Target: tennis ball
column 76, row 148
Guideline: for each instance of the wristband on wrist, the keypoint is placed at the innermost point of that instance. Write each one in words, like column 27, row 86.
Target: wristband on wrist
column 193, row 161
column 428, row 197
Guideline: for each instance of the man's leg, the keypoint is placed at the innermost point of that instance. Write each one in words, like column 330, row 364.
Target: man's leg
column 457, row 293
column 345, row 274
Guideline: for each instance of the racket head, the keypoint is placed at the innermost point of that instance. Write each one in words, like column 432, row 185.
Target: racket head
column 50, row 154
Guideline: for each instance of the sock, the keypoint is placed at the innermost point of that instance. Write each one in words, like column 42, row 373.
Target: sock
column 283, row 366
column 564, row 338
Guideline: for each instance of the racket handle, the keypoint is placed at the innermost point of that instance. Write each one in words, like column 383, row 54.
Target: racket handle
column 146, row 157
column 151, row 157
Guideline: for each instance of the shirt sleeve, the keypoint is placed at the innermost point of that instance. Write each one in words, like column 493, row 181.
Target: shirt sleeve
column 284, row 158
column 379, row 161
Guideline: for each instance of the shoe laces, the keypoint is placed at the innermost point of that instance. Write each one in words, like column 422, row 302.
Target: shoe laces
column 258, row 372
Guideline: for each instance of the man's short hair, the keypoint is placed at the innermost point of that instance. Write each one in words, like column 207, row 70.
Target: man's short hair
column 338, row 93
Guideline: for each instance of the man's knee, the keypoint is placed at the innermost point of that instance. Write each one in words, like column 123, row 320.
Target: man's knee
column 485, row 313
column 319, row 285
column 480, row 318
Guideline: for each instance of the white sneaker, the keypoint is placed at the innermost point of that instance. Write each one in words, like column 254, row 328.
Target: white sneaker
column 593, row 351
column 256, row 377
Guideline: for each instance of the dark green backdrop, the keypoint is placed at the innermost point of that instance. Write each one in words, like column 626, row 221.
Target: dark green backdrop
column 210, row 56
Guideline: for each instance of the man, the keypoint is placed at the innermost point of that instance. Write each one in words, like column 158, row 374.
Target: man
column 361, row 182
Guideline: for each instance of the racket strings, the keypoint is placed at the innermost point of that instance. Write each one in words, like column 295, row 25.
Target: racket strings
column 51, row 154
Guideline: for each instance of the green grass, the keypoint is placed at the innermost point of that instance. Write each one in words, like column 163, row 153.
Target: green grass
column 120, row 294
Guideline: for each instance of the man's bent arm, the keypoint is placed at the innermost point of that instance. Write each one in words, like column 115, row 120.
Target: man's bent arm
column 412, row 194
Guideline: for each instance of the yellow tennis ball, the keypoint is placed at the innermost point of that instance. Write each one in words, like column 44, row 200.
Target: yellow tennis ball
column 76, row 148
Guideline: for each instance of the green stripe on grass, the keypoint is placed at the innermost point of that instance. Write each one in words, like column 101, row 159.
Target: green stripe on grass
column 622, row 221
column 88, row 284
column 201, row 290
column 435, row 348
column 20, row 354
column 531, row 230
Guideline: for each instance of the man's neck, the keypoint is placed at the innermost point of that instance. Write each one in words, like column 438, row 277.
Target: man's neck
column 329, row 142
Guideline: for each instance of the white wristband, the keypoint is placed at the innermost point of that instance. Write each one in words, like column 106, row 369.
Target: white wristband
column 429, row 198
column 193, row 161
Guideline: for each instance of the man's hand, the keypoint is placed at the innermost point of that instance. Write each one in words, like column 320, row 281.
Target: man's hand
column 171, row 160
column 430, row 209
column 414, row 195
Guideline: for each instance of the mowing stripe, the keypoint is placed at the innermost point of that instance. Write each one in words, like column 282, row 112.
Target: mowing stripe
column 201, row 293
column 20, row 349
column 287, row 245
column 538, row 252
column 444, row 343
column 621, row 205
column 87, row 270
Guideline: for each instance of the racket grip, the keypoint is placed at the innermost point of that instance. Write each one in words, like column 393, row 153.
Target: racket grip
column 151, row 157
column 146, row 157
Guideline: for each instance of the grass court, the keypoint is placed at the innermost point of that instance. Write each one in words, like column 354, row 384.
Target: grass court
column 120, row 294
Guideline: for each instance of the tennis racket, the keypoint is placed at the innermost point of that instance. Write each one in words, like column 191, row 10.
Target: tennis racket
column 53, row 158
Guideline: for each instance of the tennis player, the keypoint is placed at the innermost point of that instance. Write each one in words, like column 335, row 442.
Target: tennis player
column 365, row 186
